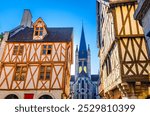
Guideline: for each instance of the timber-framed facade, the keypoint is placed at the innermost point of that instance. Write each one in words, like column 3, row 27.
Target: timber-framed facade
column 123, row 51
column 36, row 61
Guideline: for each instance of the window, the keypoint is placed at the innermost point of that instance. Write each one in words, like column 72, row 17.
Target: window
column 11, row 96
column 77, row 96
column 21, row 50
column 82, row 96
column 82, row 83
column 38, row 31
column 80, row 69
column 20, row 74
column 108, row 65
column 88, row 86
column 45, row 97
column 45, row 72
column 85, row 63
column 18, row 50
column 88, row 96
column 85, row 69
column 46, row 49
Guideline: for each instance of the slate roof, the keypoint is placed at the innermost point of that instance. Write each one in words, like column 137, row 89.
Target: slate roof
column 53, row 35
column 82, row 48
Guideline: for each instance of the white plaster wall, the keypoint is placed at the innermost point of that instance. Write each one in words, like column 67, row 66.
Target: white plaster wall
column 3, row 76
column 33, row 68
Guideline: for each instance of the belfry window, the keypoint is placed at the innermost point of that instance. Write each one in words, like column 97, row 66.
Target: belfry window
column 80, row 69
column 85, row 69
column 38, row 31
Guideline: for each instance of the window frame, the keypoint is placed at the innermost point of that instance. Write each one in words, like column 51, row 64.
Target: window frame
column 18, row 50
column 38, row 31
column 47, row 49
column 21, row 72
column 45, row 72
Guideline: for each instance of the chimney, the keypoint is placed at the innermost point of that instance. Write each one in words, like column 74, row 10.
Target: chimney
column 26, row 18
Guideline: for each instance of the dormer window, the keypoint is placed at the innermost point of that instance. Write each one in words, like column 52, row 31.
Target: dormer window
column 39, row 31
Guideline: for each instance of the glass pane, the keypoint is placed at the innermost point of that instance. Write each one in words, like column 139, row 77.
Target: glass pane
column 44, row 52
column 47, row 76
column 21, row 47
column 48, row 69
column 16, row 47
column 41, row 28
column 44, row 46
column 16, row 77
column 41, row 33
column 18, row 69
column 22, row 77
column 48, row 51
column 15, row 51
column 36, row 33
column 42, row 68
column 49, row 46
column 41, row 76
column 85, row 63
column 24, row 69
column 21, row 50
column 37, row 28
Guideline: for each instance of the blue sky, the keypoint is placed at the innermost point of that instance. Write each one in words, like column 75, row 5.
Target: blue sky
column 56, row 13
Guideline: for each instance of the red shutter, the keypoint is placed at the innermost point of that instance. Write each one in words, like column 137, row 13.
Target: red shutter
column 28, row 96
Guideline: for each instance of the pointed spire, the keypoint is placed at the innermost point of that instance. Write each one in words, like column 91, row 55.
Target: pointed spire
column 82, row 48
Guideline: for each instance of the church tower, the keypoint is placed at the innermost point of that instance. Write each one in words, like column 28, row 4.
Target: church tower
column 83, row 87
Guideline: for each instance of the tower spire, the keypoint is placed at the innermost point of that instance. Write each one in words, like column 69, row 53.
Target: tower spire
column 82, row 48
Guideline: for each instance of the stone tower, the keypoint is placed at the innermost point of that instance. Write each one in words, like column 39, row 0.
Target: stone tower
column 83, row 86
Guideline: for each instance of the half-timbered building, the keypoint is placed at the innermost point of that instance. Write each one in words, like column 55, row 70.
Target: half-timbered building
column 122, row 51
column 35, row 61
column 142, row 14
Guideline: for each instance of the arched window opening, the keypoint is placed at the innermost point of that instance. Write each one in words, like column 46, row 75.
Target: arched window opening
column 45, row 97
column 11, row 96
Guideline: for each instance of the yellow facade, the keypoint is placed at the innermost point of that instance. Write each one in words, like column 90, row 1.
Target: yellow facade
column 123, row 53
